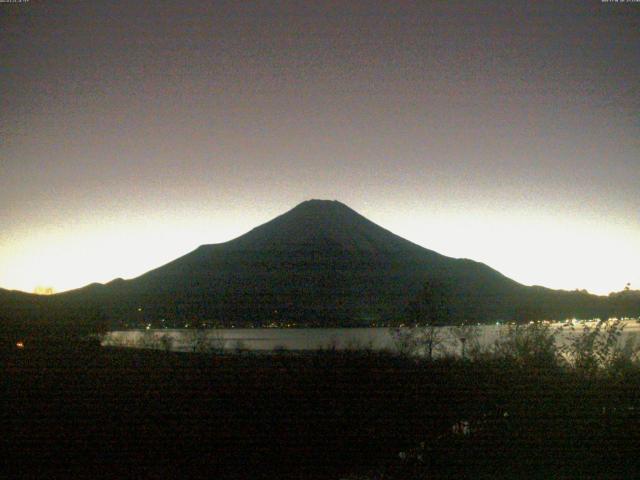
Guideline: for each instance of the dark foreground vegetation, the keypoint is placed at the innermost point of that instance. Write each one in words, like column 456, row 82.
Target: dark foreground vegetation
column 70, row 411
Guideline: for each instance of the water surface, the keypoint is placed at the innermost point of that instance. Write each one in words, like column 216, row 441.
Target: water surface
column 269, row 339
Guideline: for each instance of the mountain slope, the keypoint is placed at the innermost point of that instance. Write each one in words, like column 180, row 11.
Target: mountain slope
column 321, row 263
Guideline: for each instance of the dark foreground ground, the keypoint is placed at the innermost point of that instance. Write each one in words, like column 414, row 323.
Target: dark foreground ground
column 107, row 413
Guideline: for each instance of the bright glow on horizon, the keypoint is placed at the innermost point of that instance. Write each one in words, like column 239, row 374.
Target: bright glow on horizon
column 68, row 259
column 437, row 120
column 552, row 252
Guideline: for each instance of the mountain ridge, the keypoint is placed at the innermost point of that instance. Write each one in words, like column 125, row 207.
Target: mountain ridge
column 318, row 264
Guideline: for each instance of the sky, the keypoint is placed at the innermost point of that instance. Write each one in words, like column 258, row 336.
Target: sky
column 504, row 132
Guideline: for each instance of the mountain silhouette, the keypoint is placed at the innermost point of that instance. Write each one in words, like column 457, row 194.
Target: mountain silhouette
column 319, row 264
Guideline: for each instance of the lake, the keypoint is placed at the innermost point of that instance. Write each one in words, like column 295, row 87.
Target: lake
column 269, row 339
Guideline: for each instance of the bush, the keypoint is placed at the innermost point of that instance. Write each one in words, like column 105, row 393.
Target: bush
column 149, row 340
column 534, row 343
column 597, row 349
column 420, row 340
column 202, row 340
column 467, row 338
column 166, row 341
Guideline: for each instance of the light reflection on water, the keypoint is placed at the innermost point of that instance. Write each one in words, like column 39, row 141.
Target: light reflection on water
column 269, row 339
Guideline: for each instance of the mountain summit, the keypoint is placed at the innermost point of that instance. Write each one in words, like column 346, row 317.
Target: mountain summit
column 319, row 264
column 323, row 221
column 321, row 224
